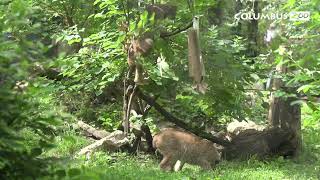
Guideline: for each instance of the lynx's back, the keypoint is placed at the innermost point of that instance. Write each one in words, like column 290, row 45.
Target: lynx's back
column 176, row 145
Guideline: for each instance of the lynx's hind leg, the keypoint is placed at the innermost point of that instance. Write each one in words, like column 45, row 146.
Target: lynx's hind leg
column 167, row 163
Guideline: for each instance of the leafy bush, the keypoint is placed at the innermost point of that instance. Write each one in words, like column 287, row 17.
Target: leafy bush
column 25, row 103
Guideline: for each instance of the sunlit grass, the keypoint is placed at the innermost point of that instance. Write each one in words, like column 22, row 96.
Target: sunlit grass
column 122, row 166
column 101, row 165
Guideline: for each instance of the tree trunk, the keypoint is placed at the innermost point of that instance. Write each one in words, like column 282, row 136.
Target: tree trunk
column 285, row 115
column 253, row 31
column 290, row 118
column 238, row 28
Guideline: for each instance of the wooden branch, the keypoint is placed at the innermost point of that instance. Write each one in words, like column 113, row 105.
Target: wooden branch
column 98, row 134
column 111, row 142
column 179, row 122
column 125, row 102
column 126, row 14
column 148, row 108
column 146, row 130
column 132, row 95
column 177, row 31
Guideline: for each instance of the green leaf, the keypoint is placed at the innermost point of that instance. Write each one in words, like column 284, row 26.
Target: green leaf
column 96, row 2
column 305, row 88
column 299, row 102
column 74, row 172
column 313, row 106
column 98, row 92
column 36, row 152
column 61, row 173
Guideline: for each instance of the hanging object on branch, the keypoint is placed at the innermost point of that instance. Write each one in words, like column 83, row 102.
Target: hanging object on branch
column 138, row 75
column 162, row 11
column 196, row 65
column 138, row 47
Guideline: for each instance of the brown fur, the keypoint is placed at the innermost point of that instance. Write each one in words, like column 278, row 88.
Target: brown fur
column 177, row 145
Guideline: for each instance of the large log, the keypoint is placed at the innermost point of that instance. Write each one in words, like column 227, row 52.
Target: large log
column 269, row 142
column 112, row 142
column 96, row 133
column 116, row 140
column 250, row 139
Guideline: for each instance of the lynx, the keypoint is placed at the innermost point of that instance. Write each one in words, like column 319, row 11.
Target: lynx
column 177, row 145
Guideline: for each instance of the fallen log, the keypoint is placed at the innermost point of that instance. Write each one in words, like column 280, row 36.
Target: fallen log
column 269, row 142
column 113, row 142
column 235, row 127
column 250, row 139
column 96, row 133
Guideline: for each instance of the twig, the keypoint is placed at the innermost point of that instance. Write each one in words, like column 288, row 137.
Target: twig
column 177, row 31
column 130, row 103
column 125, row 105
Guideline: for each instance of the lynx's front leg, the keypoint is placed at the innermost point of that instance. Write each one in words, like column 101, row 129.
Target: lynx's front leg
column 179, row 165
column 167, row 163
column 205, row 165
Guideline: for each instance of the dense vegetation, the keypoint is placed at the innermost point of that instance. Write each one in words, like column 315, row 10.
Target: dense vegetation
column 64, row 61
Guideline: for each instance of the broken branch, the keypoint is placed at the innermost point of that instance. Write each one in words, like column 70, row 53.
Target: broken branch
column 177, row 31
column 179, row 122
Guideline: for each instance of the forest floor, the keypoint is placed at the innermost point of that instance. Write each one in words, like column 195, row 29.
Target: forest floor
column 122, row 166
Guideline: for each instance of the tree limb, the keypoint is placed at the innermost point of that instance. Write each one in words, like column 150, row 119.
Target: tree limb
column 113, row 142
column 177, row 31
column 132, row 95
column 179, row 122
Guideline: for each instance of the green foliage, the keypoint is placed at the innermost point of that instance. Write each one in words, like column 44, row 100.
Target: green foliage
column 101, row 62
column 301, row 56
column 101, row 165
column 86, row 40
column 67, row 145
column 310, row 130
column 25, row 103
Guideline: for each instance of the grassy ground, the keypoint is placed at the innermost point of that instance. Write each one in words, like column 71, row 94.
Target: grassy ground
column 122, row 166
column 141, row 167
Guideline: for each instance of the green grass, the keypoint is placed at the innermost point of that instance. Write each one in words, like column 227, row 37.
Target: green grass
column 122, row 166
